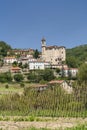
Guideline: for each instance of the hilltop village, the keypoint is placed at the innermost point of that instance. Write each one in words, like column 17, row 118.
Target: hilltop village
column 25, row 60
column 45, row 67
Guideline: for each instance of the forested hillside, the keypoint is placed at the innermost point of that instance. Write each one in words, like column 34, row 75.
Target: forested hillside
column 76, row 56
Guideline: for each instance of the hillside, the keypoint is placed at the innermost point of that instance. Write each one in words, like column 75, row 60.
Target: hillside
column 79, row 54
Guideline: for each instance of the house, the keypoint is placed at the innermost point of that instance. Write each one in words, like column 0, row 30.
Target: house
column 64, row 84
column 40, row 87
column 15, row 69
column 54, row 66
column 23, row 60
column 73, row 71
column 21, row 51
column 70, row 72
column 9, row 60
column 35, row 65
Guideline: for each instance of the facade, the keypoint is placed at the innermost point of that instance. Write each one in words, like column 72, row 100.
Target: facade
column 70, row 72
column 53, row 54
column 9, row 60
column 73, row 71
column 34, row 65
column 23, row 60
column 21, row 51
column 66, row 86
column 40, row 87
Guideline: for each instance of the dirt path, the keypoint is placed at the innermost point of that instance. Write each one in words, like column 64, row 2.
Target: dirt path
column 53, row 124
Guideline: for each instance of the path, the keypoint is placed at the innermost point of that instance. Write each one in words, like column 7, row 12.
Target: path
column 52, row 124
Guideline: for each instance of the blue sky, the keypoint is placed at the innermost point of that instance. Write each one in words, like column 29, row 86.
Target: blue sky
column 23, row 23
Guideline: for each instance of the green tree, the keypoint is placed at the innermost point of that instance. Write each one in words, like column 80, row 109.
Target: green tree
column 36, row 54
column 20, row 65
column 18, row 77
column 5, row 77
column 57, row 70
column 1, row 62
column 25, row 65
column 82, row 73
column 14, row 63
column 71, row 62
column 4, row 47
column 32, row 77
column 48, row 75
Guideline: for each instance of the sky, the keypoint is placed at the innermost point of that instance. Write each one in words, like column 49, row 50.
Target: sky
column 23, row 23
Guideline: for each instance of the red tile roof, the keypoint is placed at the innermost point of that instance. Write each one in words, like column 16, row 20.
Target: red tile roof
column 56, row 81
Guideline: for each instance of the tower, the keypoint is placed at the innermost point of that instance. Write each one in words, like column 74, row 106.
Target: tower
column 43, row 45
column 43, row 42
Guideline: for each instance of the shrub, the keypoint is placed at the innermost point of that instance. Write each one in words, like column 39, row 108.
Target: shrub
column 18, row 77
column 22, row 84
column 6, row 86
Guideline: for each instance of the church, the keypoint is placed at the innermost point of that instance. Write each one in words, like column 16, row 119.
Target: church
column 53, row 54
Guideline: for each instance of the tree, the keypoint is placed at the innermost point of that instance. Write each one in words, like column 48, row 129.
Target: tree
column 4, row 47
column 31, row 77
column 5, row 77
column 48, row 75
column 79, row 53
column 25, row 65
column 82, row 73
column 14, row 63
column 34, row 77
column 36, row 54
column 1, row 62
column 20, row 65
column 71, row 62
column 18, row 77
column 57, row 70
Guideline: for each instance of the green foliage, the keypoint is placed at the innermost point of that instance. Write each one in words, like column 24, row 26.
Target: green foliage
column 82, row 73
column 57, row 70
column 36, row 54
column 18, row 77
column 32, row 118
column 20, row 65
column 53, row 101
column 1, row 62
column 5, row 77
column 25, row 65
column 79, row 127
column 78, row 53
column 6, row 86
column 43, row 81
column 22, row 84
column 32, row 77
column 44, row 75
column 14, row 64
column 4, row 47
column 48, row 75
column 71, row 61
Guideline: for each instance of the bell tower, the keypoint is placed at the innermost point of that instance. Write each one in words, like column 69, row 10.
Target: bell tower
column 43, row 44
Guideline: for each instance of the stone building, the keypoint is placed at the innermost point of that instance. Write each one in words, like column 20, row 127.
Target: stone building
column 53, row 54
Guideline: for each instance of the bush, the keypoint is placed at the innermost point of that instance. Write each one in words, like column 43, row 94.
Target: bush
column 6, row 86
column 18, row 77
column 22, row 84
column 43, row 81
column 5, row 77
